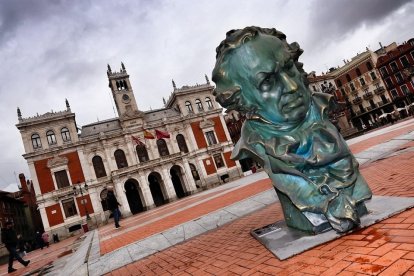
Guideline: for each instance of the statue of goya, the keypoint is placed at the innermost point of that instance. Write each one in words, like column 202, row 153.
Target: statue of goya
column 287, row 131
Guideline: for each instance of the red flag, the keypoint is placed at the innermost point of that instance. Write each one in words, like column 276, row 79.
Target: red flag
column 162, row 134
column 148, row 135
column 136, row 140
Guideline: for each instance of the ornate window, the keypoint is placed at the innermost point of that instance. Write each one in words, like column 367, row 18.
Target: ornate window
column 362, row 81
column 394, row 66
column 51, row 137
column 209, row 103
column 211, row 138
column 65, row 134
column 162, row 147
column 339, row 82
column 98, row 166
column 348, row 77
column 199, row 105
column 358, row 72
column 194, row 172
column 120, row 159
column 369, row 66
column 189, row 107
column 218, row 160
column 182, row 145
column 69, row 207
column 62, row 179
column 36, row 141
column 373, row 76
column 142, row 153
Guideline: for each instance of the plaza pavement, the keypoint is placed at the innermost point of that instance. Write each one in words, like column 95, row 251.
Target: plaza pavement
column 209, row 233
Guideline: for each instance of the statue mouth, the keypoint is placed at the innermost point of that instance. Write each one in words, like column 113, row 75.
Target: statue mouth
column 292, row 104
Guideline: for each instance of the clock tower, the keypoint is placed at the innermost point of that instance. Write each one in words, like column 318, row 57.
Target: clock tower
column 123, row 94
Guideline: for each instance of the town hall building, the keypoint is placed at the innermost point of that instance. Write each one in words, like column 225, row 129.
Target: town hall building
column 149, row 157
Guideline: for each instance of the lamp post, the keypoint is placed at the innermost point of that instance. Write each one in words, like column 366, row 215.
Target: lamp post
column 85, row 187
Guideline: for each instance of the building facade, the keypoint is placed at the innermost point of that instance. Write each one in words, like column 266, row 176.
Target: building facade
column 150, row 157
column 397, row 71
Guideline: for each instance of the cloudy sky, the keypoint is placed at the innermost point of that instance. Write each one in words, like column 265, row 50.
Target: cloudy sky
column 52, row 50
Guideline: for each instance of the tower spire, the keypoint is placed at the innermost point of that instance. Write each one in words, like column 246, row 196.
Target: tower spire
column 123, row 66
column 67, row 105
column 207, row 80
column 19, row 113
column 173, row 83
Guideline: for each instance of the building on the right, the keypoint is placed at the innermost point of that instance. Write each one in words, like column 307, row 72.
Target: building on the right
column 397, row 71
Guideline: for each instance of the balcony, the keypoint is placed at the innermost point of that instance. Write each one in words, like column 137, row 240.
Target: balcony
column 354, row 93
column 357, row 100
column 368, row 96
column 380, row 90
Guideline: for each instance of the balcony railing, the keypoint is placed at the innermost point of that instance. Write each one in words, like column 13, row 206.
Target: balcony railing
column 368, row 96
column 380, row 90
column 357, row 100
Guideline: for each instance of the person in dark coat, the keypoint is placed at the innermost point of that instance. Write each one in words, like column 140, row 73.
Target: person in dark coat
column 9, row 238
column 113, row 205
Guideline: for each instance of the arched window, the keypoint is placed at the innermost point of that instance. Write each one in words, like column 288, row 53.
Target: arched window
column 162, row 147
column 36, row 141
column 358, row 72
column 104, row 202
column 369, row 66
column 65, row 134
column 339, row 82
column 182, row 145
column 199, row 105
column 194, row 172
column 189, row 107
column 209, row 103
column 348, row 77
column 98, row 166
column 51, row 138
column 142, row 153
column 120, row 159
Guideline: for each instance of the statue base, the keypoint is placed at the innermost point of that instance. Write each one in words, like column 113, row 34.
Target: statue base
column 285, row 242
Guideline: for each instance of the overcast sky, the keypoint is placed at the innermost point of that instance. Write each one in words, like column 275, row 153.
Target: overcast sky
column 52, row 50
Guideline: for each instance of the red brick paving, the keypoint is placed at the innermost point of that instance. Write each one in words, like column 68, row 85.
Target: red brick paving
column 41, row 258
column 386, row 248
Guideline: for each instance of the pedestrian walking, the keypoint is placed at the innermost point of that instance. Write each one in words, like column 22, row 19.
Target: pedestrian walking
column 9, row 238
column 39, row 240
column 113, row 205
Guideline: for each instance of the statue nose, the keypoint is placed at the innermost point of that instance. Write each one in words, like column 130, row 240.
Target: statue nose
column 290, row 84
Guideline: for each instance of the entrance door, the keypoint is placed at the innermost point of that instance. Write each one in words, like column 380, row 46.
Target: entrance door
column 154, row 180
column 132, row 194
column 177, row 181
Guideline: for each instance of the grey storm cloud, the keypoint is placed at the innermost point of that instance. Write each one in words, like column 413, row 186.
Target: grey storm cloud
column 336, row 18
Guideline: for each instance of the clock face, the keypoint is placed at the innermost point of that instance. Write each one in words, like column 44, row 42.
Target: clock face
column 125, row 98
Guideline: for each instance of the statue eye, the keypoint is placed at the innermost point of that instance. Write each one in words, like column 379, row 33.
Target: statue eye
column 267, row 84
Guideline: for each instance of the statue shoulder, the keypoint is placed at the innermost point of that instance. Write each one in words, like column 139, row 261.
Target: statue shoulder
column 323, row 102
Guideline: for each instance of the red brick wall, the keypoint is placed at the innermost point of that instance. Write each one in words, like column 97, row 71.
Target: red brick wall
column 199, row 135
column 210, row 169
column 75, row 169
column 229, row 162
column 218, row 128
column 88, row 205
column 57, row 217
column 44, row 175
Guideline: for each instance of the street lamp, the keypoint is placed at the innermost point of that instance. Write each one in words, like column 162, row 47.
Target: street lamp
column 85, row 187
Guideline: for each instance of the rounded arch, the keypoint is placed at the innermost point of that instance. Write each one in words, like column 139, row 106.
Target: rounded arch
column 156, row 185
column 142, row 153
column 134, row 196
column 209, row 103
column 199, row 105
column 177, row 179
column 120, row 159
column 162, row 147
column 182, row 145
column 65, row 134
column 102, row 196
column 36, row 142
column 51, row 137
column 98, row 166
column 189, row 106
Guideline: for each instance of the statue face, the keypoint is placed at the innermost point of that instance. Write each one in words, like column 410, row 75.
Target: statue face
column 268, row 78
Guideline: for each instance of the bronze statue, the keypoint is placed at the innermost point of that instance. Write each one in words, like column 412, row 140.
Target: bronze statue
column 287, row 131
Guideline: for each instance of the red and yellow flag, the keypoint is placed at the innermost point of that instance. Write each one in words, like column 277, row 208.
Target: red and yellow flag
column 148, row 135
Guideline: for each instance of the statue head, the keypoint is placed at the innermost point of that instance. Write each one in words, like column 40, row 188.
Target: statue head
column 258, row 74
